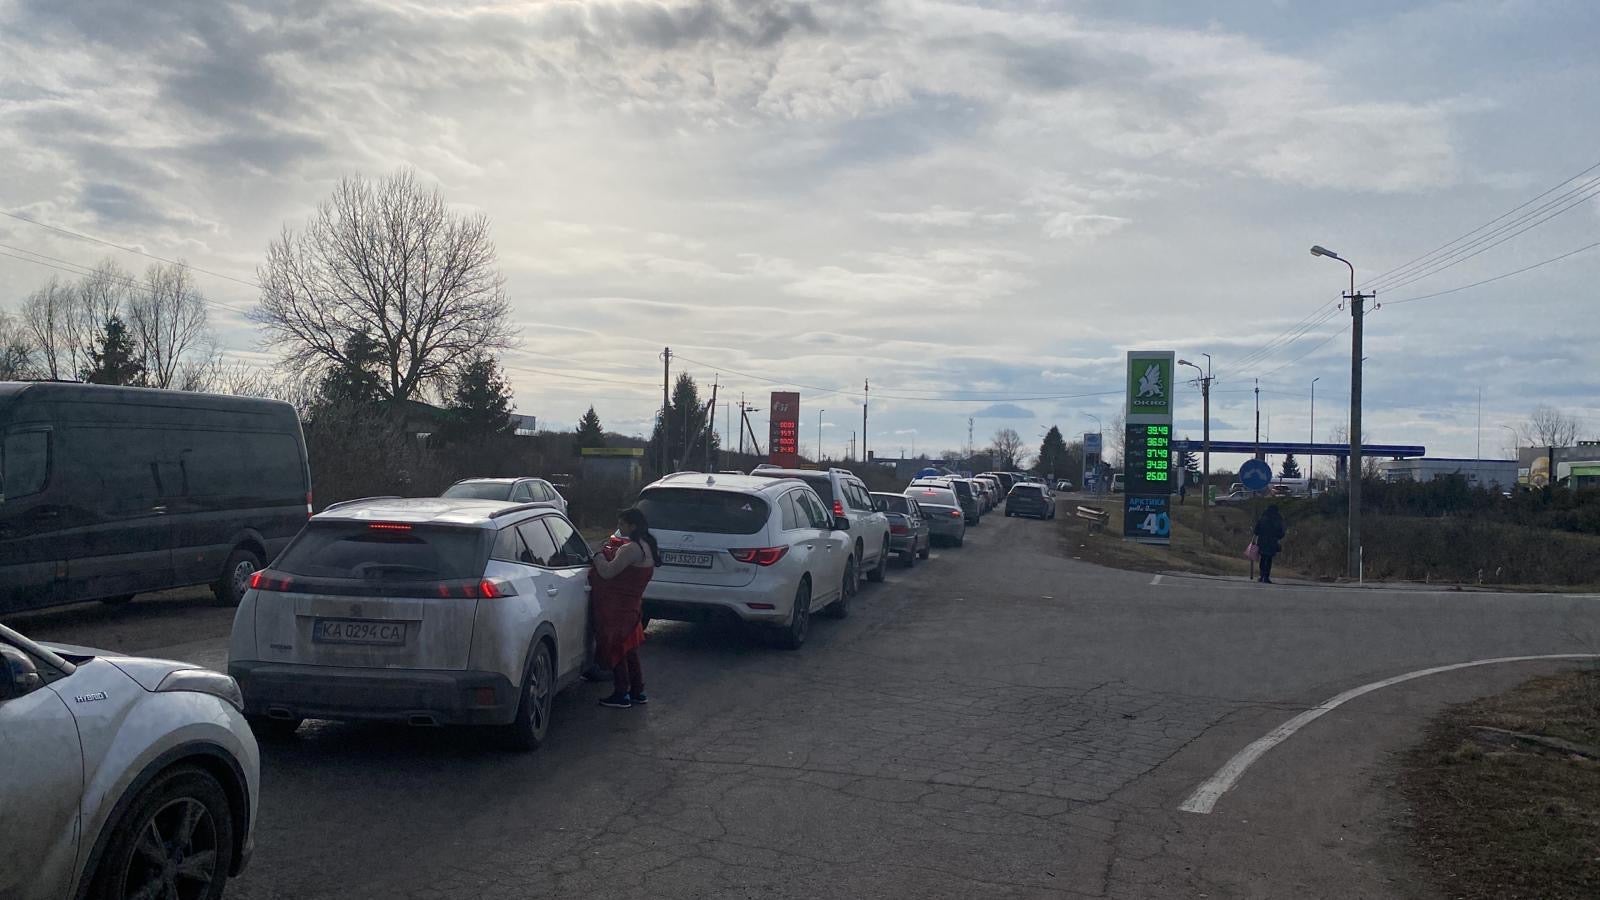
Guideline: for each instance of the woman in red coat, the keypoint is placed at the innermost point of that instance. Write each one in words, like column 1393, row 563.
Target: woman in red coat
column 616, row 593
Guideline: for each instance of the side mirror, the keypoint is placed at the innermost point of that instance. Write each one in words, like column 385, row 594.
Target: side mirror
column 20, row 676
column 841, row 523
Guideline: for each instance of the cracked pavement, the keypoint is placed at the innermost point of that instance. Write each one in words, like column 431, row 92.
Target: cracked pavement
column 1000, row 721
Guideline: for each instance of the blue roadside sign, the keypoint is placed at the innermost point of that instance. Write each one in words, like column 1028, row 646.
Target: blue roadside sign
column 1255, row 475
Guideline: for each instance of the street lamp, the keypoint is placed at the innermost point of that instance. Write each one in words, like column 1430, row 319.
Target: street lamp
column 1357, row 309
column 1205, row 464
column 1515, row 445
column 819, row 435
column 1311, row 463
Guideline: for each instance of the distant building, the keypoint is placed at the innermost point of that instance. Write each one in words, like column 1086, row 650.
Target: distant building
column 1575, row 467
column 1482, row 473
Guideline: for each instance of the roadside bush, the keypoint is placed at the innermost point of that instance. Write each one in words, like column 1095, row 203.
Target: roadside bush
column 1454, row 549
column 1558, row 508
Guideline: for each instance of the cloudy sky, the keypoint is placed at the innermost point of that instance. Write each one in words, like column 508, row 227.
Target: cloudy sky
column 978, row 205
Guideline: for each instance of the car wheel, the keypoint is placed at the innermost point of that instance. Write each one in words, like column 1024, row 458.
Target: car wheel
column 235, row 580
column 175, row 840
column 793, row 635
column 881, row 570
column 119, row 600
column 909, row 558
column 267, row 728
column 960, row 539
column 927, row 548
column 529, row 729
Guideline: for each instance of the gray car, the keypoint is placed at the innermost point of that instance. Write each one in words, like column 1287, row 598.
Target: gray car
column 942, row 509
column 909, row 533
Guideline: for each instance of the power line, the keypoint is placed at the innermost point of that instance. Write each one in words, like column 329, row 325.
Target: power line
column 89, row 237
column 72, row 268
column 1397, row 272
column 1553, row 259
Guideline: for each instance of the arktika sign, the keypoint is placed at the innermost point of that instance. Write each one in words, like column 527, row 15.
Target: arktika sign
column 1147, row 448
column 783, row 436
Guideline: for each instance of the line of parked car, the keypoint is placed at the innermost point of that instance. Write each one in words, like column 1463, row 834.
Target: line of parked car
column 471, row 608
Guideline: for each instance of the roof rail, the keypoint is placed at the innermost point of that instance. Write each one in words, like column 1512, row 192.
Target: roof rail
column 522, row 507
column 361, row 500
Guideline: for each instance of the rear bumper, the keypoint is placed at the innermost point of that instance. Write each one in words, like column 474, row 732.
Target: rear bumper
column 706, row 603
column 281, row 690
column 1027, row 509
column 900, row 543
column 947, row 527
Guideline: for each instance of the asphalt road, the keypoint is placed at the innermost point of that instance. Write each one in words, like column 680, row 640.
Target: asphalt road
column 1000, row 721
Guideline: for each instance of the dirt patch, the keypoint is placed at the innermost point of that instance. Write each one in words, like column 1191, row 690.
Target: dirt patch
column 1504, row 793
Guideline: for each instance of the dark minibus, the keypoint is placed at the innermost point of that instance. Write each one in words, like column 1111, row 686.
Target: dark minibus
column 107, row 492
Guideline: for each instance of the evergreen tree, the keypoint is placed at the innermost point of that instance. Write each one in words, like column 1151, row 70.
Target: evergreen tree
column 684, row 427
column 1291, row 468
column 480, row 402
column 590, row 434
column 355, row 381
column 1052, row 453
column 113, row 359
column 1189, row 464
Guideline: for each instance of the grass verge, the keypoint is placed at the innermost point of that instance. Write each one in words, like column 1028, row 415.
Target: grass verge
column 1501, row 805
column 1222, row 555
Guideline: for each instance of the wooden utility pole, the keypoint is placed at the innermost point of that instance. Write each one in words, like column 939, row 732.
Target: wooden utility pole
column 666, row 405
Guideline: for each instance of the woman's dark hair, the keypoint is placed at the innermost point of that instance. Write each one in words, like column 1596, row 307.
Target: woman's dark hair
column 639, row 530
column 1272, row 512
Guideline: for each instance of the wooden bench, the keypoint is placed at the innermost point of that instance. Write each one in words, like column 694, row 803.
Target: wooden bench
column 1095, row 517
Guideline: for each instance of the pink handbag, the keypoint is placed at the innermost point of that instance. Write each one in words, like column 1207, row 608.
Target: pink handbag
column 1252, row 552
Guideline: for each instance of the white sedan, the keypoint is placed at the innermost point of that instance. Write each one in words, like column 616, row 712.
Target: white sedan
column 122, row 776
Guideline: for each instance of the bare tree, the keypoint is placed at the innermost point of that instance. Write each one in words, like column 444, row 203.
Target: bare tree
column 18, row 359
column 167, row 314
column 390, row 261
column 102, row 295
column 1118, row 437
column 49, row 317
column 1007, row 449
column 1549, row 427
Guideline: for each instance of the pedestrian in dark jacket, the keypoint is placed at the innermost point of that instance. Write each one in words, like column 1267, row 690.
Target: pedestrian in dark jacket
column 1269, row 539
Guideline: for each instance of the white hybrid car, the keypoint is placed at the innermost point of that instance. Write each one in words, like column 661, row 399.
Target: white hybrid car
column 428, row 611
column 764, row 551
column 120, row 777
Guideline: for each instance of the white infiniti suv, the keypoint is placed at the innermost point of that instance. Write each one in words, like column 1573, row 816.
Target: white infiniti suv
column 120, row 776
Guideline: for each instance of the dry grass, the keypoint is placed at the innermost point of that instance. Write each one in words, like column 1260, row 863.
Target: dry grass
column 1506, row 819
column 1223, row 555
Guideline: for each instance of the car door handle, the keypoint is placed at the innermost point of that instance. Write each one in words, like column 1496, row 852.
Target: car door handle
column 159, row 510
column 552, row 591
column 47, row 514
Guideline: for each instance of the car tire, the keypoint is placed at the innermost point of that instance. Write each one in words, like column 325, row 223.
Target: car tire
column 119, row 600
column 152, row 828
column 962, row 539
column 881, row 570
column 793, row 635
column 909, row 558
column 266, row 728
column 532, row 723
column 927, row 549
column 235, row 579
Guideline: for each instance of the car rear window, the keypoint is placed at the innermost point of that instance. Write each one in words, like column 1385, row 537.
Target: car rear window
column 479, row 490
column 962, row 489
column 934, row 495
column 1031, row 490
column 895, row 503
column 385, row 552
column 819, row 482
column 705, row 512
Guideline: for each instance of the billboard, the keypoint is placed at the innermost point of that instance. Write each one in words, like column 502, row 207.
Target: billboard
column 1147, row 448
column 783, row 430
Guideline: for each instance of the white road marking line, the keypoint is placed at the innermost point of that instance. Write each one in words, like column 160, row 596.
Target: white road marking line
column 1211, row 790
column 1156, row 580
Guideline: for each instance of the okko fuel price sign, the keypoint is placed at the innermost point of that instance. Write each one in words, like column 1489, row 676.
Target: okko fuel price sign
column 783, row 435
column 1147, row 448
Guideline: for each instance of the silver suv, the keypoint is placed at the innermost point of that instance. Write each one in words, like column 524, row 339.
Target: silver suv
column 429, row 611
column 846, row 495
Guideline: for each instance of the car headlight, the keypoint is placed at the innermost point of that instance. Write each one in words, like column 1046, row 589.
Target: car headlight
column 204, row 681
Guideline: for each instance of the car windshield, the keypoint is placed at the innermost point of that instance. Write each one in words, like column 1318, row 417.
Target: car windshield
column 385, row 552
column 479, row 490
column 935, row 496
column 703, row 511
column 894, row 502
